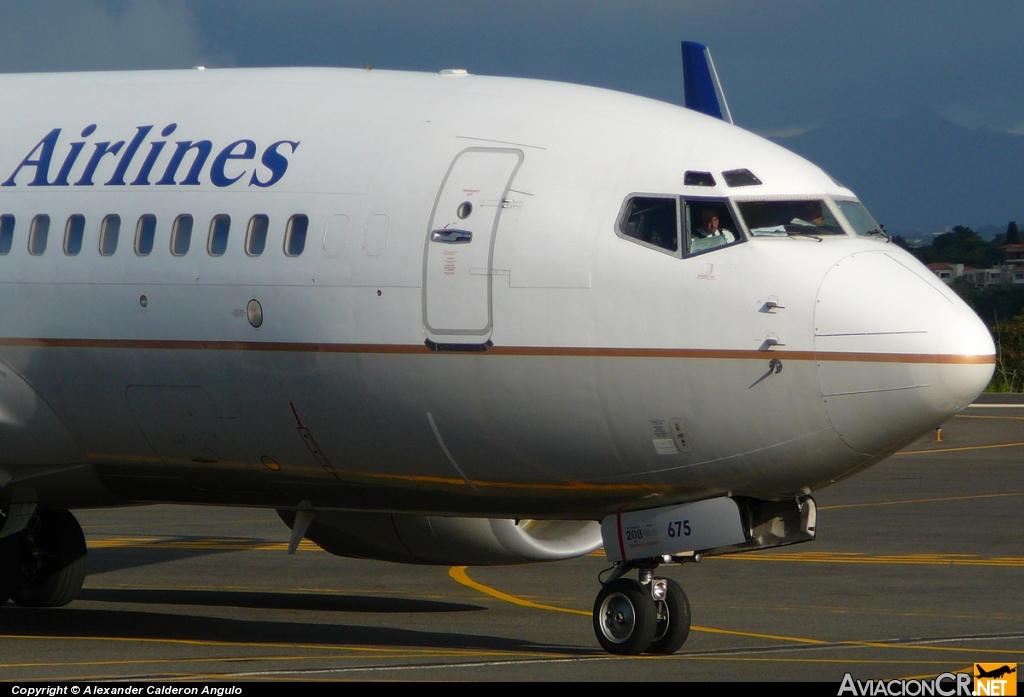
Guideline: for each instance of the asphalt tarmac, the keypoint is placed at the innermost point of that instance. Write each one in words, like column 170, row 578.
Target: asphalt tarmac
column 918, row 569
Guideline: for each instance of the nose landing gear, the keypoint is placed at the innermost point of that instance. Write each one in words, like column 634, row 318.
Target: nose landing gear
column 651, row 615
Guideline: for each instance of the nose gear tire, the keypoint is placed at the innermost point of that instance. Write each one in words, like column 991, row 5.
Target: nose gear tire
column 624, row 618
column 674, row 627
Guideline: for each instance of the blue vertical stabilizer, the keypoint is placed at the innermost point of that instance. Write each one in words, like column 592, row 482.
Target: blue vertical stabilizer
column 700, row 81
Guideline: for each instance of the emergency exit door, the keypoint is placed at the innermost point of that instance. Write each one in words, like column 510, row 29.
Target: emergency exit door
column 460, row 245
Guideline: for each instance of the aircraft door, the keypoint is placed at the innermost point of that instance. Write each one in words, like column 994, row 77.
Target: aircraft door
column 460, row 245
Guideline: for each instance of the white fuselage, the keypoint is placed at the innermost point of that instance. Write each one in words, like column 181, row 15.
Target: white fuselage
column 614, row 376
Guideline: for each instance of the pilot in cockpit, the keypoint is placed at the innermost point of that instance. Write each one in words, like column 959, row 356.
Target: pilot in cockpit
column 814, row 216
column 710, row 233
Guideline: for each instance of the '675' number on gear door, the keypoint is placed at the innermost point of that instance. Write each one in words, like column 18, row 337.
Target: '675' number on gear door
column 679, row 528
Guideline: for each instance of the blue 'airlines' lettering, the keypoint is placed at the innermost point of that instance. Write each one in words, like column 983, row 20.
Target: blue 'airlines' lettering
column 41, row 156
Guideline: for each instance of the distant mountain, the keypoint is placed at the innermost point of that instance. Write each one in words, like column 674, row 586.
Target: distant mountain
column 918, row 173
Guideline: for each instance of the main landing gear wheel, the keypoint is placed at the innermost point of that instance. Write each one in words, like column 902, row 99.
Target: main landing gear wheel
column 7, row 557
column 673, row 620
column 625, row 620
column 50, row 560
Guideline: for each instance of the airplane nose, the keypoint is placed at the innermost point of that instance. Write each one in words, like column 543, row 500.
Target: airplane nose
column 897, row 352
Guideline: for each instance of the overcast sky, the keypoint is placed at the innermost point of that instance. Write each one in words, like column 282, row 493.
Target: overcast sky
column 786, row 65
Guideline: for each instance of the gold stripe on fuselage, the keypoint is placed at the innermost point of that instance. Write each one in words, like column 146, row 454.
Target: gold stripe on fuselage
column 558, row 351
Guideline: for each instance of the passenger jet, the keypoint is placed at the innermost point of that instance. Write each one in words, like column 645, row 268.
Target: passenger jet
column 446, row 319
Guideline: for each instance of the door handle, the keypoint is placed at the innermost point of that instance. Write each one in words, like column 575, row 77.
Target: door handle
column 452, row 236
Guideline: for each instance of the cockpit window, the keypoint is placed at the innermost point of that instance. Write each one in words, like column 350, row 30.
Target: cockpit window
column 692, row 178
column 782, row 218
column 859, row 218
column 653, row 221
column 741, row 177
column 709, row 224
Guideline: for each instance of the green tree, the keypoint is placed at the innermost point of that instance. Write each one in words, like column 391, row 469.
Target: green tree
column 1012, row 233
column 993, row 304
column 966, row 290
column 1009, row 338
column 964, row 245
column 901, row 241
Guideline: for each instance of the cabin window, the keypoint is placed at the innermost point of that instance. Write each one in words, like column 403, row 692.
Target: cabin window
column 37, row 234
column 6, row 233
column 295, row 235
column 375, row 237
column 652, row 221
column 782, row 218
column 110, row 230
column 217, row 243
column 145, row 234
column 709, row 224
column 256, row 236
column 74, row 231
column 336, row 236
column 181, row 235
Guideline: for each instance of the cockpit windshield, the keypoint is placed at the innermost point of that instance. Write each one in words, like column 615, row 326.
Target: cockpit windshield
column 789, row 218
column 859, row 218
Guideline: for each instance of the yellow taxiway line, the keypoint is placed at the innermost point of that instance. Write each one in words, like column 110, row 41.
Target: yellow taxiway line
column 961, row 449
column 225, row 543
column 860, row 558
column 966, row 497
column 458, row 573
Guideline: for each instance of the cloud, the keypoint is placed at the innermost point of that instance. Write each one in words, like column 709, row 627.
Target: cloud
column 784, row 131
column 56, row 35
